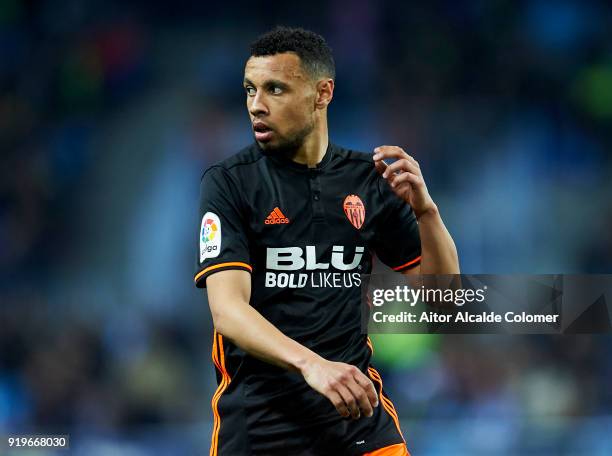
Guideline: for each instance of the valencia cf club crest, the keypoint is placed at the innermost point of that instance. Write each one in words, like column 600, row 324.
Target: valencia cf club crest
column 354, row 210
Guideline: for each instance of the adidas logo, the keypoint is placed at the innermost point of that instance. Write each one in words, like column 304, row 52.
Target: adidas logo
column 276, row 217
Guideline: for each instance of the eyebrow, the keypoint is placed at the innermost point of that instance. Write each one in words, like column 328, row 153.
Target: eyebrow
column 268, row 83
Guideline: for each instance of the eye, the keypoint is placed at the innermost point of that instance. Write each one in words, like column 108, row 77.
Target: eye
column 276, row 90
column 250, row 90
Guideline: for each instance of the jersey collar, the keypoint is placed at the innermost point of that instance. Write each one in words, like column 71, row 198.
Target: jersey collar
column 284, row 161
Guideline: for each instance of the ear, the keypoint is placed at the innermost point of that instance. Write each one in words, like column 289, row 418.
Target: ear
column 325, row 93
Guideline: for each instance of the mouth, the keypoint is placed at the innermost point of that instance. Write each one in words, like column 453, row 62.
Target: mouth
column 262, row 132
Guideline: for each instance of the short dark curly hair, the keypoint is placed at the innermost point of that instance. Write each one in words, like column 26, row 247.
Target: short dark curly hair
column 315, row 54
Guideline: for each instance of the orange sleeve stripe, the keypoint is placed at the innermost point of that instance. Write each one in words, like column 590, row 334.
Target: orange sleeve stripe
column 219, row 359
column 416, row 260
column 237, row 264
column 386, row 402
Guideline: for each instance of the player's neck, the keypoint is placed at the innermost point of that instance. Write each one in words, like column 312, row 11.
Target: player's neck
column 314, row 147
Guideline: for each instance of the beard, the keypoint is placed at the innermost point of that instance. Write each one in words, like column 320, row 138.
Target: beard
column 288, row 145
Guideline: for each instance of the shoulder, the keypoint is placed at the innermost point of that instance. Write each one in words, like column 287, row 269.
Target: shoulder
column 353, row 157
column 246, row 157
column 359, row 164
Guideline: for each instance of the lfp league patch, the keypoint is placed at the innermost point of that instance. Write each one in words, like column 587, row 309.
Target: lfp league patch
column 210, row 236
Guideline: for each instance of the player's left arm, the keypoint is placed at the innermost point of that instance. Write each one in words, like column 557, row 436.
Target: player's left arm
column 438, row 251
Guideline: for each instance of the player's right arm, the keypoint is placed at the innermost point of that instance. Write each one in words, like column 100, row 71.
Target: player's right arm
column 349, row 390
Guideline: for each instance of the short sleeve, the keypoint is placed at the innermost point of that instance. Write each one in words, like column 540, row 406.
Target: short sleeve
column 222, row 239
column 398, row 243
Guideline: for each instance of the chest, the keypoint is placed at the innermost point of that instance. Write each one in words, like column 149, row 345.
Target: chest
column 313, row 208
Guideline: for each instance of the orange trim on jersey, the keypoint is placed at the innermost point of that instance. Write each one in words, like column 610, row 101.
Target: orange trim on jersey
column 385, row 401
column 376, row 375
column 383, row 398
column 416, row 260
column 222, row 265
column 388, row 406
column 219, row 360
column 215, row 398
column 399, row 449
column 369, row 342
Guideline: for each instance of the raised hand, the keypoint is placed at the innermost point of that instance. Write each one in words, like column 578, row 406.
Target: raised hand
column 405, row 178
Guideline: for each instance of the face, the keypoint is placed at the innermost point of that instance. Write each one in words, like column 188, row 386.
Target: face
column 281, row 100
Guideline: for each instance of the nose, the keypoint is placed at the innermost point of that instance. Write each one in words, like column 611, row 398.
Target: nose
column 257, row 105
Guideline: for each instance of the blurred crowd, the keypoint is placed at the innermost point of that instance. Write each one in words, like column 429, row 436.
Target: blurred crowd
column 109, row 112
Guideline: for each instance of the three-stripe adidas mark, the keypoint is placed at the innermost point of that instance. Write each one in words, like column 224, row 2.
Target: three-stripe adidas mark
column 276, row 217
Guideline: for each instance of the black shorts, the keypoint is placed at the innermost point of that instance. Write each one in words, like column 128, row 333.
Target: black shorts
column 267, row 420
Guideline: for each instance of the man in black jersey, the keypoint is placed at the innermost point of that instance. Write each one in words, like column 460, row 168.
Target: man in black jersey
column 288, row 225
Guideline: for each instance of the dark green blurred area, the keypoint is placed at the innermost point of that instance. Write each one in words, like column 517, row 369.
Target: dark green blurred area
column 110, row 111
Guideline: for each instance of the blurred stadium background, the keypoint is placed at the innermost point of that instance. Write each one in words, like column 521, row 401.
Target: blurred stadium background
column 109, row 112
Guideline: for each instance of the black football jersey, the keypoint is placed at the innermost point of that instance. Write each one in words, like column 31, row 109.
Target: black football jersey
column 305, row 235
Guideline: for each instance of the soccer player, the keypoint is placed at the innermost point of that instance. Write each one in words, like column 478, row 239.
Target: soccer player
column 288, row 226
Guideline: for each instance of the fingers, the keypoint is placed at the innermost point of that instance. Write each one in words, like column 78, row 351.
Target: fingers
column 368, row 387
column 339, row 403
column 342, row 397
column 364, row 391
column 362, row 398
column 382, row 152
column 406, row 178
column 350, row 400
column 380, row 166
column 404, row 162
column 402, row 165
column 352, row 393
